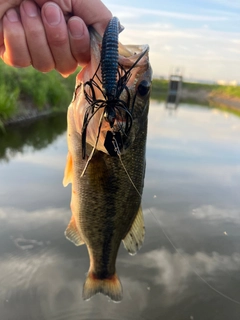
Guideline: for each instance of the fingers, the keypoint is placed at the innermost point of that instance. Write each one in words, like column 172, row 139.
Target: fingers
column 92, row 12
column 69, row 44
column 58, row 39
column 44, row 39
column 79, row 40
column 15, row 51
column 39, row 50
column 2, row 48
column 6, row 5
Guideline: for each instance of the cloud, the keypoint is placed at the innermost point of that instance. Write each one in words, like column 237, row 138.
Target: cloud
column 213, row 214
column 53, row 284
column 174, row 271
column 208, row 53
column 45, row 157
column 143, row 12
column 203, row 41
column 44, row 280
column 22, row 220
column 227, row 3
column 44, row 160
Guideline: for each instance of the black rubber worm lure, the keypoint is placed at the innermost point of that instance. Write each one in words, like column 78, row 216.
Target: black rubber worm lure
column 114, row 82
column 109, row 59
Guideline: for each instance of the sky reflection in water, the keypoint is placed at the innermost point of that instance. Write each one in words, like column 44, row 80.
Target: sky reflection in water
column 191, row 191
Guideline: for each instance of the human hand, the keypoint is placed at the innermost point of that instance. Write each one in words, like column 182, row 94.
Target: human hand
column 49, row 35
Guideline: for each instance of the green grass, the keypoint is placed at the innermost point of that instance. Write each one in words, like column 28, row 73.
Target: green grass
column 8, row 101
column 160, row 89
column 228, row 91
column 53, row 92
column 39, row 90
column 199, row 86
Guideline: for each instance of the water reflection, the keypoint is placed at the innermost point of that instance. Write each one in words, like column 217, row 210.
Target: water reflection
column 35, row 134
column 213, row 214
column 191, row 191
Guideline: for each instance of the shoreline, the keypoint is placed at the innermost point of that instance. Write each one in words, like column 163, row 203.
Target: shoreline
column 224, row 101
column 213, row 100
column 27, row 112
column 27, row 117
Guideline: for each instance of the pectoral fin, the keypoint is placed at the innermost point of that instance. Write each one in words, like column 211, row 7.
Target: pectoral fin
column 73, row 234
column 135, row 237
column 68, row 171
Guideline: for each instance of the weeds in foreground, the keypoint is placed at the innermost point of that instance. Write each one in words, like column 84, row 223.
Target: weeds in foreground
column 8, row 102
column 39, row 90
column 54, row 92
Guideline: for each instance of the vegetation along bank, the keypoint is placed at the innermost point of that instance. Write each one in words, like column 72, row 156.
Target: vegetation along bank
column 26, row 93
column 210, row 94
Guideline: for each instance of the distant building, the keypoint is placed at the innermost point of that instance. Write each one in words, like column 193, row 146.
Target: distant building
column 174, row 91
column 222, row 82
column 233, row 83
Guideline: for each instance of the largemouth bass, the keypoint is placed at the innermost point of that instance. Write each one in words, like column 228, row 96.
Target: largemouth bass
column 107, row 130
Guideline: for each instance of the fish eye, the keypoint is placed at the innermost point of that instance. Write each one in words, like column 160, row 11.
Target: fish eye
column 143, row 87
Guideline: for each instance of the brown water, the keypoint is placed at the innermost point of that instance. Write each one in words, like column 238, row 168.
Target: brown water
column 192, row 194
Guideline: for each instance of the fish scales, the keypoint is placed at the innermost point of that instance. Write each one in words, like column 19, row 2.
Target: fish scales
column 105, row 205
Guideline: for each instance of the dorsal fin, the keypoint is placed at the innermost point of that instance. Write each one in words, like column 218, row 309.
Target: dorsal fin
column 135, row 237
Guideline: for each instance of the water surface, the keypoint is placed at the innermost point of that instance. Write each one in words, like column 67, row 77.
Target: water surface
column 191, row 195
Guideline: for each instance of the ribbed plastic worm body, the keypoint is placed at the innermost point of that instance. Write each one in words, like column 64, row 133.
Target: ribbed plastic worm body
column 117, row 112
column 109, row 58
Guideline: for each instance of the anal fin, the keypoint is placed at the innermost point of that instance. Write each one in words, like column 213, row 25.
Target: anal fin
column 72, row 233
column 135, row 237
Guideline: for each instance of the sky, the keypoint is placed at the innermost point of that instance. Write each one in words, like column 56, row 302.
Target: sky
column 201, row 38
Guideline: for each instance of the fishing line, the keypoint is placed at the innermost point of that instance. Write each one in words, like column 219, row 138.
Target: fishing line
column 94, row 148
column 117, row 150
column 165, row 234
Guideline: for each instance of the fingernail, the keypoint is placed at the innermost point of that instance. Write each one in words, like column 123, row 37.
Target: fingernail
column 52, row 14
column 30, row 9
column 12, row 15
column 75, row 27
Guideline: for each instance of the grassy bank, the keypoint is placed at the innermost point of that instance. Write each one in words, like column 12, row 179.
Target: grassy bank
column 227, row 91
column 28, row 87
column 160, row 89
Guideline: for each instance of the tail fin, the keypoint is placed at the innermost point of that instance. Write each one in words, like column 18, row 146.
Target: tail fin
column 110, row 287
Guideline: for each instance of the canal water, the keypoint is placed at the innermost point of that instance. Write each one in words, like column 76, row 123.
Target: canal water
column 189, row 265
